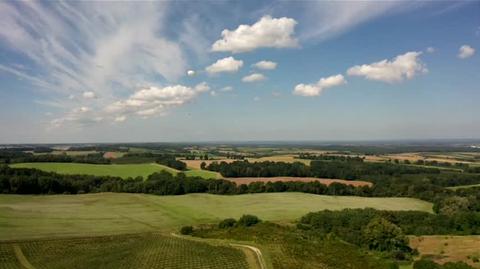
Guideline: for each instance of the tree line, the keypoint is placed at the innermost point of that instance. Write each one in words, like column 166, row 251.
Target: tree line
column 169, row 160
column 343, row 158
column 27, row 157
column 34, row 181
column 147, row 157
column 318, row 168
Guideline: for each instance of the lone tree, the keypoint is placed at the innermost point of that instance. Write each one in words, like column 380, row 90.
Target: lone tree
column 380, row 234
column 186, row 230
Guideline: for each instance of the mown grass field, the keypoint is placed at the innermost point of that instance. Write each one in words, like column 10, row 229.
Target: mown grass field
column 124, row 251
column 30, row 216
column 114, row 170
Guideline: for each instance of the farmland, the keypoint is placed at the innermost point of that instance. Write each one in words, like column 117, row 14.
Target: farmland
column 444, row 249
column 29, row 216
column 149, row 250
column 141, row 215
column 114, row 170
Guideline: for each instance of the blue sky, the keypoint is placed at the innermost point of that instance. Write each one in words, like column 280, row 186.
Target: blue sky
column 238, row 70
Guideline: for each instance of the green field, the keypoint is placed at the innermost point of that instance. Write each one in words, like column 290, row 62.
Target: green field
column 114, row 170
column 124, row 251
column 30, row 216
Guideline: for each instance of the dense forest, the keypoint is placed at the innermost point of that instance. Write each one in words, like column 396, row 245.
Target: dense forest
column 147, row 157
column 323, row 169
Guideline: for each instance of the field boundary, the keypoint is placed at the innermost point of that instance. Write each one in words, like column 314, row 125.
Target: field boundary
column 21, row 257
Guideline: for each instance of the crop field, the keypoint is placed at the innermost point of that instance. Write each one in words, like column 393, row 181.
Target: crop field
column 115, row 170
column 442, row 249
column 113, row 154
column 280, row 158
column 326, row 181
column 124, row 251
column 30, row 216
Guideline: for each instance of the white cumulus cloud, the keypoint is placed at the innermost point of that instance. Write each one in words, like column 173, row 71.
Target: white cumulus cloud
column 255, row 77
column 226, row 89
column 190, row 73
column 120, row 119
column 156, row 100
column 317, row 88
column 268, row 32
column 402, row 67
column 89, row 95
column 266, row 65
column 228, row 65
column 465, row 52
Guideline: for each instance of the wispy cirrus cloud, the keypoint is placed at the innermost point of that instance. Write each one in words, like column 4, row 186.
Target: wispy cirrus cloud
column 322, row 20
column 89, row 49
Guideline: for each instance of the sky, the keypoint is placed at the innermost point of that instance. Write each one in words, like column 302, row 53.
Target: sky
column 188, row 71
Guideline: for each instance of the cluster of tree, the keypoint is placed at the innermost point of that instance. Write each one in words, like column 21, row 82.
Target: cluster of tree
column 243, row 221
column 322, row 169
column 42, row 150
column 259, row 169
column 441, row 164
column 26, row 157
column 343, row 158
column 385, row 230
column 364, row 170
column 349, row 223
column 195, row 157
column 234, row 156
column 146, row 157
